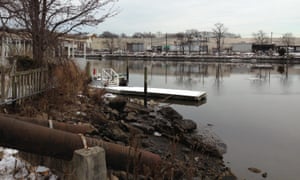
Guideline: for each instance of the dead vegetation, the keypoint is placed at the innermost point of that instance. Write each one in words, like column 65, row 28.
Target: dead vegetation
column 68, row 80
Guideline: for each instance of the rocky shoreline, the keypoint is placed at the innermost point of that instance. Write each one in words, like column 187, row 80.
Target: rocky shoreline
column 188, row 152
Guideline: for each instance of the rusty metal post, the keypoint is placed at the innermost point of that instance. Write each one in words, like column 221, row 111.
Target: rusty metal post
column 145, row 85
column 127, row 70
column 60, row 144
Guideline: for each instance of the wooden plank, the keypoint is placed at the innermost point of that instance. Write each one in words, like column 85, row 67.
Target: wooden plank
column 3, row 97
column 31, row 83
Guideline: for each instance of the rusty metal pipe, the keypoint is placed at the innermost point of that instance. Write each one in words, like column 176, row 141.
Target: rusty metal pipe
column 80, row 128
column 40, row 140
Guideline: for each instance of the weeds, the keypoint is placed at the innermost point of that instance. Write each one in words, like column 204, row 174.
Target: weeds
column 68, row 80
column 97, row 96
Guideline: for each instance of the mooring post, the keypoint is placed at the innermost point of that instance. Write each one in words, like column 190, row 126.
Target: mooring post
column 145, row 85
column 166, row 72
column 127, row 71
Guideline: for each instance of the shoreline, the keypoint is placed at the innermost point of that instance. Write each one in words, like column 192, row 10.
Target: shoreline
column 158, row 129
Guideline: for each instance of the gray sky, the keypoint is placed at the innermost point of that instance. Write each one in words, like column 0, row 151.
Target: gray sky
column 240, row 16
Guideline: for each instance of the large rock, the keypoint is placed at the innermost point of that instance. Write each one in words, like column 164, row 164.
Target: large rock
column 113, row 131
column 198, row 143
column 170, row 113
column 173, row 123
column 117, row 103
column 144, row 127
column 187, row 125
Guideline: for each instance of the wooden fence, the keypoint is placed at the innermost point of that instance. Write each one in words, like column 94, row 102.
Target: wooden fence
column 18, row 85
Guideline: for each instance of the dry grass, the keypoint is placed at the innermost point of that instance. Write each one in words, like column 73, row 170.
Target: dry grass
column 96, row 95
column 69, row 80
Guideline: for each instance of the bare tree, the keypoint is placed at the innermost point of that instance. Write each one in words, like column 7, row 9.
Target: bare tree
column 219, row 34
column 110, row 40
column 123, row 35
column 138, row 35
column 47, row 20
column 261, row 37
column 107, row 34
column 191, row 36
column 181, row 41
column 288, row 39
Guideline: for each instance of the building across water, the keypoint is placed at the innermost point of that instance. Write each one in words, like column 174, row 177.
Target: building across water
column 159, row 44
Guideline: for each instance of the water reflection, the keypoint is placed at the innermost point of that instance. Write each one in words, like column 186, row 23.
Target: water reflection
column 189, row 74
column 254, row 110
column 284, row 71
column 197, row 75
column 218, row 77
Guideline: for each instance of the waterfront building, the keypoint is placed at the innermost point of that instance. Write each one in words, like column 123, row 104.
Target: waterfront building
column 203, row 43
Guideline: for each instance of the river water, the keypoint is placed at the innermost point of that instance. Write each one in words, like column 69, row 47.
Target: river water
column 255, row 111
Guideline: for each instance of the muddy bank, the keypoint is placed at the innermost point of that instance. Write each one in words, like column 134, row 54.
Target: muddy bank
column 187, row 150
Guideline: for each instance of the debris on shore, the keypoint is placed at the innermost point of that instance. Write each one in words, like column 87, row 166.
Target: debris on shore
column 158, row 129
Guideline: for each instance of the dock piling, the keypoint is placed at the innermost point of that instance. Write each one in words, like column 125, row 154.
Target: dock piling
column 145, row 85
column 127, row 70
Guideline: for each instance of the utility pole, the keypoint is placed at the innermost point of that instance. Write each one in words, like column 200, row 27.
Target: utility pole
column 199, row 42
column 271, row 37
column 151, row 41
column 166, row 43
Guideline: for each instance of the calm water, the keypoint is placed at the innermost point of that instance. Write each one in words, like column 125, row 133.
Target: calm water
column 255, row 112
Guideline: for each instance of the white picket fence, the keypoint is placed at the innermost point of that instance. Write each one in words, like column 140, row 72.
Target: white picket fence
column 15, row 85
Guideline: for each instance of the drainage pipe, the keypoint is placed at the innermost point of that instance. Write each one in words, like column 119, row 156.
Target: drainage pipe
column 41, row 140
column 80, row 128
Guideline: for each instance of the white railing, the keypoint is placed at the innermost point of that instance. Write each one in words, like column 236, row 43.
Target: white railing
column 109, row 76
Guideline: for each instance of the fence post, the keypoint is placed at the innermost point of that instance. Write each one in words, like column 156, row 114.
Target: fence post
column 2, row 84
column 13, row 88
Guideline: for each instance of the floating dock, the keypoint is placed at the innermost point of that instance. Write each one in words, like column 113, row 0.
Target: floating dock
column 170, row 94
column 262, row 66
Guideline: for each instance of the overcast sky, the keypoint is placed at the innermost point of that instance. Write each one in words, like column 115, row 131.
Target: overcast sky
column 242, row 17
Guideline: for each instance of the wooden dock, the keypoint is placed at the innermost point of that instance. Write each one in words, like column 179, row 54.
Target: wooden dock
column 171, row 94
